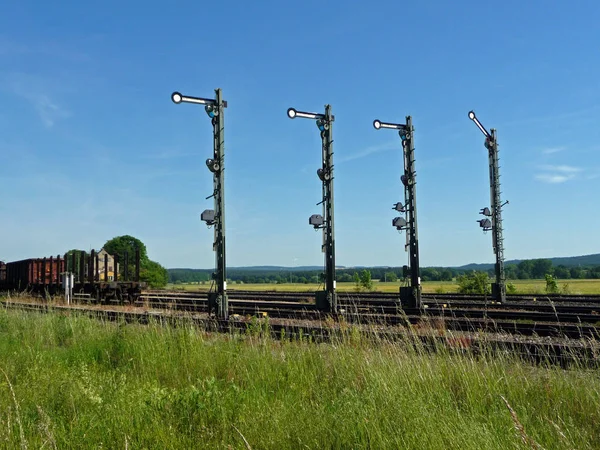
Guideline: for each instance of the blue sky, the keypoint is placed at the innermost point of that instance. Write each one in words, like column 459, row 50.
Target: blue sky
column 92, row 147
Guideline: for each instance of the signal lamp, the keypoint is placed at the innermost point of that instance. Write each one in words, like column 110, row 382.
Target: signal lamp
column 322, row 174
column 212, row 165
column 176, row 97
column 399, row 222
column 322, row 125
column 211, row 110
column 478, row 123
column 208, row 216
column 293, row 113
column 378, row 124
column 316, row 220
column 398, row 207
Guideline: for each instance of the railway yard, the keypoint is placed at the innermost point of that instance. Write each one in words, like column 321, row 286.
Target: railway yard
column 561, row 327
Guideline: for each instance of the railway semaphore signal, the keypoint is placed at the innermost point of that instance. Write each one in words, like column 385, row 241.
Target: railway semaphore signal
column 327, row 299
column 409, row 296
column 492, row 220
column 215, row 108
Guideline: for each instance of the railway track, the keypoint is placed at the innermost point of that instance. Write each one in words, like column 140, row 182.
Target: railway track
column 520, row 317
column 428, row 298
column 533, row 346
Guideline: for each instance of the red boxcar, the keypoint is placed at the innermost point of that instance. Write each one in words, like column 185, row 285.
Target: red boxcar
column 30, row 272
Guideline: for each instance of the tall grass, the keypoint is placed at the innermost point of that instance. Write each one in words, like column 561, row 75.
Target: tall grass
column 72, row 382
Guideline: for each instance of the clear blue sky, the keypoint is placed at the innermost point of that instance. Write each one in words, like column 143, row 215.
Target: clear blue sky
column 92, row 147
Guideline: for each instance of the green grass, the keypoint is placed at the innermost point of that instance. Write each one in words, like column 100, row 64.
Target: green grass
column 72, row 382
column 430, row 287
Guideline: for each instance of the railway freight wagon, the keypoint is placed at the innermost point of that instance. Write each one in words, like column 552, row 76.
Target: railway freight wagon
column 45, row 276
column 2, row 273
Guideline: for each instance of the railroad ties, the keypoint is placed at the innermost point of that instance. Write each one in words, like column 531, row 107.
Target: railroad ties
column 566, row 316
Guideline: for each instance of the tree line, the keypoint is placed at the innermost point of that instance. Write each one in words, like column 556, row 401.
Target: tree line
column 525, row 270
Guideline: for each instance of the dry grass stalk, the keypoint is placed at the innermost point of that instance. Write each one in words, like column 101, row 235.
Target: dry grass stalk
column 14, row 397
column 520, row 428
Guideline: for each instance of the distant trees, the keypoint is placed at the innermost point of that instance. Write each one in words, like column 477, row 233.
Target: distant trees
column 524, row 270
column 562, row 272
column 390, row 276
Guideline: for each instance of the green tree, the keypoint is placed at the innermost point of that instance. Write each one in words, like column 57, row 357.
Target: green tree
column 365, row 280
column 510, row 271
column 576, row 272
column 524, row 269
column 561, row 272
column 474, row 283
column 154, row 274
column 595, row 272
column 345, row 277
column 540, row 267
column 390, row 276
column 121, row 244
column 446, row 275
column 551, row 286
column 77, row 253
column 150, row 271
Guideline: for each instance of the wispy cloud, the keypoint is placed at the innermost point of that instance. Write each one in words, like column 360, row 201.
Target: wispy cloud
column 549, row 178
column 558, row 173
column 561, row 168
column 552, row 150
column 368, row 151
column 47, row 109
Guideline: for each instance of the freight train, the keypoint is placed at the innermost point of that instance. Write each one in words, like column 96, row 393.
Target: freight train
column 96, row 276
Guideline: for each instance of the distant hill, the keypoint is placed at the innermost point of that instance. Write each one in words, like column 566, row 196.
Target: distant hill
column 264, row 268
column 567, row 261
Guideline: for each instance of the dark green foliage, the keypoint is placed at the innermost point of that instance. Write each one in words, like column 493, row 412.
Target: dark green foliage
column 474, row 283
column 511, row 288
column 551, row 285
column 126, row 244
column 524, row 270
column 76, row 268
column 154, row 274
column 390, row 276
column 150, row 271
column 365, row 280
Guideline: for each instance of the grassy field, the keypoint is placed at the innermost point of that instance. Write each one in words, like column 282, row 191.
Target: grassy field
column 522, row 286
column 70, row 382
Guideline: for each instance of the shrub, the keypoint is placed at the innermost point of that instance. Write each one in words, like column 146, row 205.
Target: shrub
column 474, row 283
